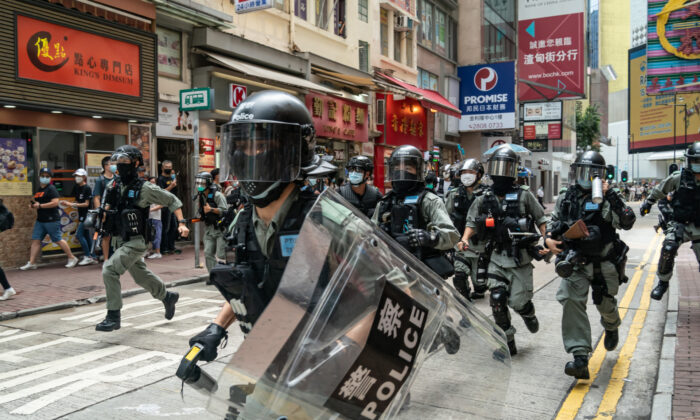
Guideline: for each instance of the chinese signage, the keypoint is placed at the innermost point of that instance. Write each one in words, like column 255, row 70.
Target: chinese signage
column 550, row 49
column 536, row 145
column 169, row 52
column 236, row 95
column 172, row 122
column 338, row 118
column 487, row 96
column 386, row 361
column 57, row 54
column 13, row 168
column 673, row 47
column 406, row 123
column 245, row 6
column 651, row 122
column 542, row 111
column 206, row 154
column 541, row 121
column 196, row 99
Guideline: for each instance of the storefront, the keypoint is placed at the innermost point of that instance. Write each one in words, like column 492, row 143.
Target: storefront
column 78, row 87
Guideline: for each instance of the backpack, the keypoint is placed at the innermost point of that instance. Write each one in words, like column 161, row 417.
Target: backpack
column 7, row 220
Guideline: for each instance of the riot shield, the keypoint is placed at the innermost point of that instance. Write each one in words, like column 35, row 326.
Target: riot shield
column 359, row 328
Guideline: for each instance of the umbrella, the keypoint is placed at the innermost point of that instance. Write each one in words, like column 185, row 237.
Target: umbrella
column 514, row 147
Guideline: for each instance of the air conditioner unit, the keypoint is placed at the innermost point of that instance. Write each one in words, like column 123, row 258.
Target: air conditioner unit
column 381, row 112
column 403, row 23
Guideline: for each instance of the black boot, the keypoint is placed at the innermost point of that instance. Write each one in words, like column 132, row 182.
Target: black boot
column 528, row 315
column 578, row 368
column 658, row 292
column 169, row 303
column 511, row 347
column 611, row 339
column 111, row 322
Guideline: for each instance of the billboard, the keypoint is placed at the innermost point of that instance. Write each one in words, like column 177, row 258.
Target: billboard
column 651, row 117
column 551, row 51
column 673, row 50
column 487, row 96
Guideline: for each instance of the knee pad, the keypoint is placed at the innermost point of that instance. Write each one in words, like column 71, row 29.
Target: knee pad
column 668, row 254
column 460, row 283
column 499, row 307
column 527, row 310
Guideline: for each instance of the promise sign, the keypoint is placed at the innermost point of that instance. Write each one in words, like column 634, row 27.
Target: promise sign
column 57, row 54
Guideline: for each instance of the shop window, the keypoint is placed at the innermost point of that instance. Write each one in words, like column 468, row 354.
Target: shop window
column 103, row 142
column 427, row 80
column 340, row 22
column 362, row 10
column 409, row 48
column 60, row 150
column 384, row 31
column 364, row 56
column 440, row 32
column 16, row 153
column 300, row 9
column 397, row 46
column 426, row 27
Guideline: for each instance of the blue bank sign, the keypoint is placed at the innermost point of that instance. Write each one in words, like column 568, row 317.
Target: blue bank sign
column 487, row 96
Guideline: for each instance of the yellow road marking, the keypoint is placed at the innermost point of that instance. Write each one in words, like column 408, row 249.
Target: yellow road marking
column 613, row 393
column 574, row 400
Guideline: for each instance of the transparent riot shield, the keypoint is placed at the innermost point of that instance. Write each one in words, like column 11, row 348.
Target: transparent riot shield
column 360, row 329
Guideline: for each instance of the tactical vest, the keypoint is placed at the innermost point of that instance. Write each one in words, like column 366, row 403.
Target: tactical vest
column 686, row 199
column 131, row 219
column 211, row 218
column 367, row 203
column 461, row 207
column 405, row 215
column 574, row 209
column 262, row 275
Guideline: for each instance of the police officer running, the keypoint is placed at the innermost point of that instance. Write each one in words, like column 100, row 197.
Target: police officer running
column 596, row 259
column 357, row 192
column 684, row 225
column 506, row 208
column 212, row 205
column 458, row 202
column 131, row 233
column 413, row 216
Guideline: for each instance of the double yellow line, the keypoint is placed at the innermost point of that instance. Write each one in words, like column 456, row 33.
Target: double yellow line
column 613, row 392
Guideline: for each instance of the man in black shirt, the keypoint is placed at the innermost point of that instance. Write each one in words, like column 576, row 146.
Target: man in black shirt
column 168, row 181
column 83, row 194
column 47, row 221
column 108, row 170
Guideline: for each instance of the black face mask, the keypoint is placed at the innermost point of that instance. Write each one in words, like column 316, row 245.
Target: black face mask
column 502, row 184
column 266, row 192
column 406, row 183
column 167, row 171
column 127, row 172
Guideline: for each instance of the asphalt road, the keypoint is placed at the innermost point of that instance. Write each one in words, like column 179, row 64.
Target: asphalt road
column 55, row 365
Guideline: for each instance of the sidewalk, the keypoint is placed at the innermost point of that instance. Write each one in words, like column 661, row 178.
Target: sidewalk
column 686, row 386
column 54, row 287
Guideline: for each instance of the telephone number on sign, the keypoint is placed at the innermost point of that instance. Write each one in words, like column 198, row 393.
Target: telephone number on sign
column 486, row 126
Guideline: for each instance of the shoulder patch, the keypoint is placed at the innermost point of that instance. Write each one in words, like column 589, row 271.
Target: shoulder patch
column 511, row 196
column 287, row 243
column 411, row 199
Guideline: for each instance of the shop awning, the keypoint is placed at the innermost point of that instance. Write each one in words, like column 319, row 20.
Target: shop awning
column 352, row 80
column 428, row 98
column 667, row 155
column 267, row 74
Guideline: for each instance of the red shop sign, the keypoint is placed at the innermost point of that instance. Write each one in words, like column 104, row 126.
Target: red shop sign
column 57, row 54
column 406, row 123
column 529, row 132
column 554, row 131
column 338, row 118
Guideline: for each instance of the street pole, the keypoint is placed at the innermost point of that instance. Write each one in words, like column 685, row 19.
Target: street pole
column 674, row 127
column 195, row 158
column 617, row 158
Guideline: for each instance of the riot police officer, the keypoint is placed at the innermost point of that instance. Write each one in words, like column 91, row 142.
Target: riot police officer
column 212, row 205
column 506, row 208
column 413, row 216
column 596, row 260
column 685, row 220
column 356, row 191
column 130, row 234
column 458, row 202
column 268, row 146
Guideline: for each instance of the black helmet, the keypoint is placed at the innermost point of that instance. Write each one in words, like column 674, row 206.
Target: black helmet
column 446, row 174
column 586, row 167
column 692, row 157
column 131, row 151
column 406, row 169
column 503, row 163
column 361, row 162
column 204, row 180
column 268, row 141
column 471, row 165
column 430, row 178
column 454, row 170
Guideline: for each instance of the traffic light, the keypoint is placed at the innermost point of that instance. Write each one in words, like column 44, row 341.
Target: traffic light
column 624, row 176
column 610, row 173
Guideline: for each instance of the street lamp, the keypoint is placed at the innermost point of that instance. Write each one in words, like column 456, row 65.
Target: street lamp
column 685, row 122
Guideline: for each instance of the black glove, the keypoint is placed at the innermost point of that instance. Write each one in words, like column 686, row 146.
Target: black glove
column 645, row 208
column 210, row 338
column 418, row 238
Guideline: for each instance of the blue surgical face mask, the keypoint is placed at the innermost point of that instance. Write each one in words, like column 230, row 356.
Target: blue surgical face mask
column 200, row 189
column 113, row 168
column 695, row 167
column 172, row 176
column 312, row 182
column 355, row 178
column 429, row 186
column 45, row 180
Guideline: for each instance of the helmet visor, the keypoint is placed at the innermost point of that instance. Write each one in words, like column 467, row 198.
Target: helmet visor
column 120, row 158
column 261, row 151
column 200, row 182
column 502, row 167
column 406, row 168
column 584, row 174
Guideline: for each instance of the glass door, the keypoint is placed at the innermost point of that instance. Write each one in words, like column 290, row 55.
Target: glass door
column 60, row 152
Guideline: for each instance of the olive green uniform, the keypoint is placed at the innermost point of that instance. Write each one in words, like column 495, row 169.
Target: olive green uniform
column 467, row 260
column 128, row 255
column 691, row 232
column 519, row 282
column 214, row 242
column 573, row 291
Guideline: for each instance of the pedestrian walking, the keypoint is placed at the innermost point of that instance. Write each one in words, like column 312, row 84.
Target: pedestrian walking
column 83, row 200
column 540, row 196
column 168, row 181
column 154, row 220
column 7, row 220
column 105, row 179
column 45, row 202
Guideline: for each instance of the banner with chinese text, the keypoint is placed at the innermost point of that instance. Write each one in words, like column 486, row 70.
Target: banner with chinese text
column 338, row 118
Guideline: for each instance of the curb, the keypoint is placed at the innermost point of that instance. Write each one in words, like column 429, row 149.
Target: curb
column 94, row 299
column 662, row 403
